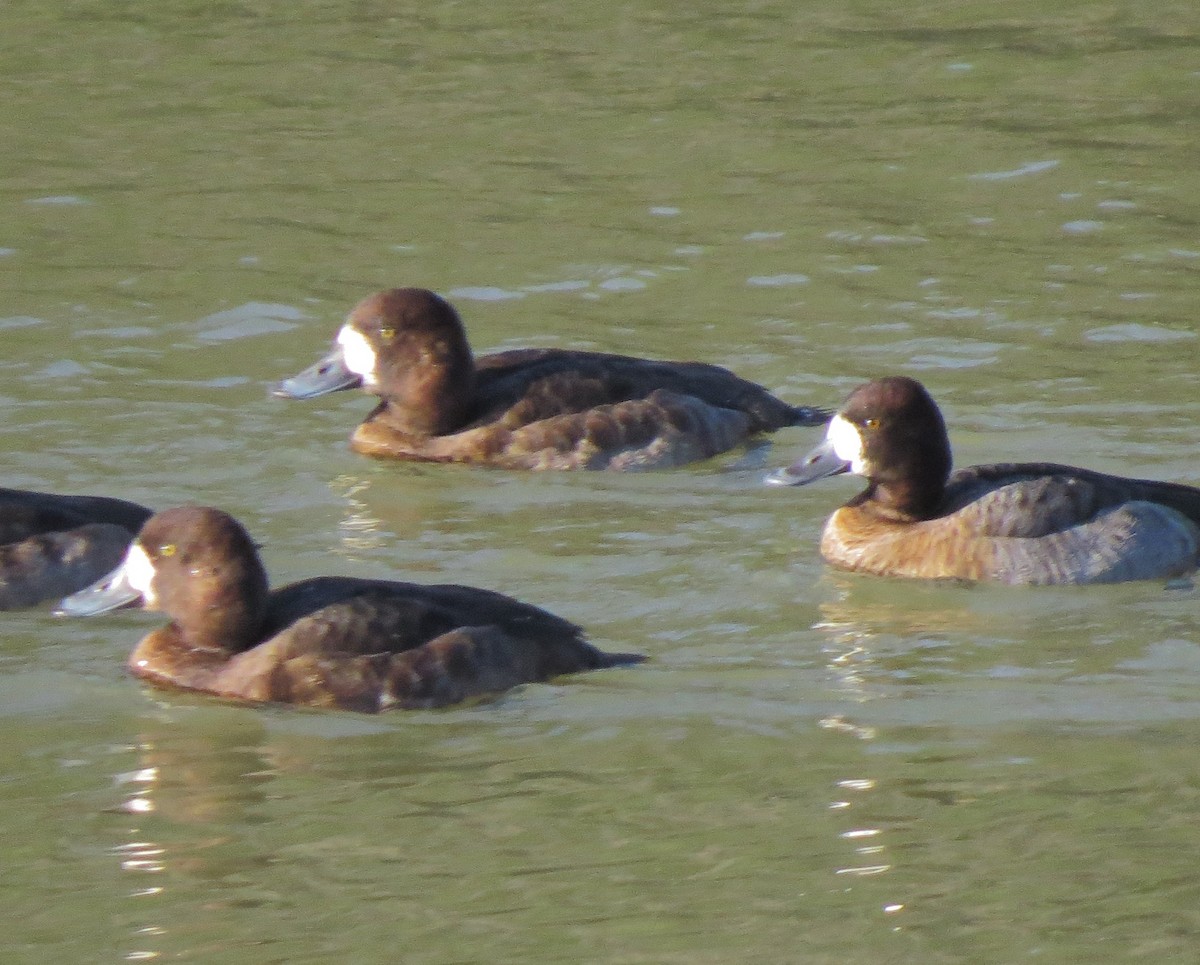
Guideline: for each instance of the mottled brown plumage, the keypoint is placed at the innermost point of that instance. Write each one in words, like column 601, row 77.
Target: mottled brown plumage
column 364, row 645
column 1019, row 523
column 532, row 408
column 51, row 545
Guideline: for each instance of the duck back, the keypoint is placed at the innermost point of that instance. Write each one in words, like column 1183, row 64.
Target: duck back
column 557, row 381
column 554, row 409
column 1029, row 524
column 52, row 545
column 368, row 646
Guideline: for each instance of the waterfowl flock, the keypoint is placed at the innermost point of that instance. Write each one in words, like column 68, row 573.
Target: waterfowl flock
column 370, row 645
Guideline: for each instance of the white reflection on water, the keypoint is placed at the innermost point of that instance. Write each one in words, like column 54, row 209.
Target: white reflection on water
column 849, row 653
column 360, row 530
column 182, row 809
column 777, row 281
column 1033, row 167
column 248, row 321
column 141, row 857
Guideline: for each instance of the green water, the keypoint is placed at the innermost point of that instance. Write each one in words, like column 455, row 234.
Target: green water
column 1000, row 200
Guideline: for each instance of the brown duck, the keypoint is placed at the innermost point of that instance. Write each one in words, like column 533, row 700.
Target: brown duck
column 529, row 408
column 365, row 645
column 1020, row 523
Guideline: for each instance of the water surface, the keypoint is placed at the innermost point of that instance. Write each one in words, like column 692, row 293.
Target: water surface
column 813, row 766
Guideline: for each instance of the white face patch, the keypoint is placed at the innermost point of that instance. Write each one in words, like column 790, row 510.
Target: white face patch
column 139, row 573
column 847, row 443
column 357, row 354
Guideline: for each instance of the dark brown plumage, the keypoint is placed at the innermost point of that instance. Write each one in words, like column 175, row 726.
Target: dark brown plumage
column 51, row 545
column 364, row 645
column 530, row 408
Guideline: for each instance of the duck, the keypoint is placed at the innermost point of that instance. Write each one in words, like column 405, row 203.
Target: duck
column 532, row 408
column 330, row 641
column 52, row 544
column 1016, row 523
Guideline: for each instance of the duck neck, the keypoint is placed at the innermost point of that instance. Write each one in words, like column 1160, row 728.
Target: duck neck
column 432, row 397
column 231, row 631
column 226, row 613
column 911, row 484
column 901, row 501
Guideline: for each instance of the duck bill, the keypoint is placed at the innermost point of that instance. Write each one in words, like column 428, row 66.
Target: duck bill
column 328, row 375
column 820, row 462
column 107, row 593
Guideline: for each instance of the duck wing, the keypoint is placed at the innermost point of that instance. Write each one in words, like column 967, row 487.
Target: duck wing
column 24, row 513
column 367, row 646
column 1036, row 499
column 527, row 385
column 53, row 564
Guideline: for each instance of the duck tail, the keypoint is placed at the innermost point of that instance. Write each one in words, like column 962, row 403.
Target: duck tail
column 604, row 660
column 810, row 415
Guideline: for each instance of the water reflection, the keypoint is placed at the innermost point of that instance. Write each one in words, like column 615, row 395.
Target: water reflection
column 849, row 660
column 812, row 194
column 359, row 528
column 193, row 790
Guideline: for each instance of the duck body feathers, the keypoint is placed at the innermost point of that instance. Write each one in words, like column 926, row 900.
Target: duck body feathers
column 556, row 409
column 539, row 408
column 330, row 641
column 546, row 381
column 1018, row 523
column 371, row 645
column 1029, row 524
column 52, row 545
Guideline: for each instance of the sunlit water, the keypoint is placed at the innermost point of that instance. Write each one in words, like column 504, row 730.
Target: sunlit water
column 812, row 767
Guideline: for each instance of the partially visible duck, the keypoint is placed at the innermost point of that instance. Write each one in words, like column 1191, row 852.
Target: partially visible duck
column 529, row 408
column 51, row 544
column 1019, row 523
column 355, row 644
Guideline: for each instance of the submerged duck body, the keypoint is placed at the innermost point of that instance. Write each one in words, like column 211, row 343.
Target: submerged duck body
column 529, row 408
column 355, row 644
column 51, row 544
column 1017, row 523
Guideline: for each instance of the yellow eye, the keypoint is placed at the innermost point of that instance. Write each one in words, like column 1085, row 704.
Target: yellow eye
column 387, row 334
column 871, row 423
column 167, row 549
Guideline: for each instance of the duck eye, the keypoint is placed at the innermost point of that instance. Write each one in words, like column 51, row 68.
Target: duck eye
column 387, row 334
column 871, row 423
column 167, row 549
